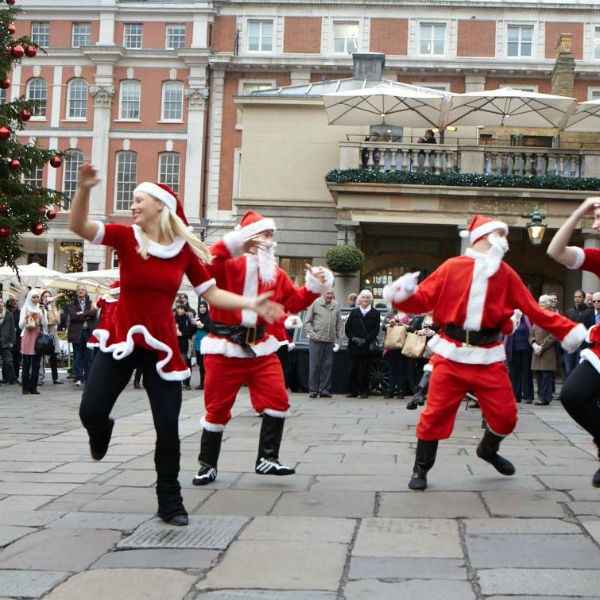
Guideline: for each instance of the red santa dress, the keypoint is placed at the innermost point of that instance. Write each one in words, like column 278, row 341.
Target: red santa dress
column 107, row 305
column 143, row 315
column 462, row 293
column 229, row 365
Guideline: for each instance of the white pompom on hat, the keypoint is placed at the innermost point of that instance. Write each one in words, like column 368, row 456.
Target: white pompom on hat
column 253, row 223
column 482, row 226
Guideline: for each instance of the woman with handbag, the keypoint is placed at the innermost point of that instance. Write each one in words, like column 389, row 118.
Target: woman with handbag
column 362, row 327
column 394, row 325
column 31, row 322
column 53, row 314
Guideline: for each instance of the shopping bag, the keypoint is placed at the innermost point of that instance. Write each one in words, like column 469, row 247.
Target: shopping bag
column 414, row 345
column 395, row 337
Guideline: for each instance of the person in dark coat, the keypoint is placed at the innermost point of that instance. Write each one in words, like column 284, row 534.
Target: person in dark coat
column 362, row 327
column 518, row 357
column 543, row 361
column 8, row 338
column 12, row 306
column 82, row 318
column 185, row 330
column 579, row 313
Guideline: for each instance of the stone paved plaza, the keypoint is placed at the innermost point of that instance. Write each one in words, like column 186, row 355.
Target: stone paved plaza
column 345, row 527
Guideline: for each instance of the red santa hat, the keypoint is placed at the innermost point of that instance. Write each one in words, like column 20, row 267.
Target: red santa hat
column 114, row 288
column 482, row 226
column 253, row 223
column 166, row 195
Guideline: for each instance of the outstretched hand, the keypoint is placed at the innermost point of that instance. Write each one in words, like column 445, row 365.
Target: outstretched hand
column 88, row 176
column 254, row 243
column 317, row 272
column 267, row 310
column 589, row 204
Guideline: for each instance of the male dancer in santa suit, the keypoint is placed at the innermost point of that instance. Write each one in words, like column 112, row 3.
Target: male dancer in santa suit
column 154, row 253
column 107, row 305
column 473, row 298
column 580, row 393
column 239, row 350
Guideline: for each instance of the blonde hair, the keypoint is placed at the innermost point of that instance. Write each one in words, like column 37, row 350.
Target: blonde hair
column 171, row 226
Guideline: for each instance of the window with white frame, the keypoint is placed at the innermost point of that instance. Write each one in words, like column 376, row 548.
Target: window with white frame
column 37, row 90
column 81, row 35
column 597, row 43
column 172, row 101
column 433, row 85
column 345, row 37
column 132, row 36
column 246, row 87
column 114, row 260
column 432, row 38
column 71, row 166
column 175, row 37
column 260, row 36
column 168, row 170
column 129, row 100
column 125, row 179
column 593, row 93
column 40, row 34
column 520, row 40
column 35, row 177
column 77, row 98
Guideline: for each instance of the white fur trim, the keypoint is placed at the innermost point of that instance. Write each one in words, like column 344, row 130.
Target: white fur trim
column 281, row 414
column 159, row 250
column 93, row 345
column 469, row 355
column 120, row 350
column 579, row 259
column 486, row 228
column 217, row 345
column 402, row 288
column 211, row 426
column 200, row 289
column 147, row 187
column 477, row 293
column 99, row 237
column 265, row 224
column 234, row 240
column 249, row 317
column 591, row 357
column 109, row 299
column 428, row 368
column 574, row 338
column 114, row 292
column 293, row 322
column 315, row 285
column 589, row 334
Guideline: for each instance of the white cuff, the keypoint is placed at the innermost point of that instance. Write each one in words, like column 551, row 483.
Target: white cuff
column 234, row 240
column 200, row 289
column 99, row 237
column 292, row 322
column 580, row 258
column 403, row 288
column 316, row 286
column 574, row 338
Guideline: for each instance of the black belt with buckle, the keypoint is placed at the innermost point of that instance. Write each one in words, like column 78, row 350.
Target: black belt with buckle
column 238, row 334
column 484, row 337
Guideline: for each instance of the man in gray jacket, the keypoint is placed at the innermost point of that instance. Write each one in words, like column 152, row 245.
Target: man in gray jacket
column 323, row 324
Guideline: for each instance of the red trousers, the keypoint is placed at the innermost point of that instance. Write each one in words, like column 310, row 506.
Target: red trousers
column 225, row 376
column 449, row 383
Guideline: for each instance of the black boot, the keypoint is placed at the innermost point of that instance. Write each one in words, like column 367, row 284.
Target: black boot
column 100, row 439
column 488, row 451
column 420, row 392
column 424, row 459
column 596, row 478
column 267, row 461
column 210, row 448
column 168, row 491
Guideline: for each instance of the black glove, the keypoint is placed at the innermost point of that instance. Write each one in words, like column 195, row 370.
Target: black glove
column 359, row 341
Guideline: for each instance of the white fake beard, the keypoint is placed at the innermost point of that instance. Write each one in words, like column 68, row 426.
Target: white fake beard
column 267, row 262
column 495, row 254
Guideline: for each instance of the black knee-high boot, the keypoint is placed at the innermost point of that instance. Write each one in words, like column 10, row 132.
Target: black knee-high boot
column 267, row 461
column 420, row 392
column 168, row 491
column 210, row 448
column 424, row 460
column 488, row 451
column 596, row 478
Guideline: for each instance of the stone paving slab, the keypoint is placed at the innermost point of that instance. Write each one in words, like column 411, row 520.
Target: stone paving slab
column 85, row 520
column 265, row 595
column 586, row 508
column 59, row 549
column 431, row 504
column 29, row 584
column 581, row 583
column 326, row 503
column 534, row 504
column 10, row 533
column 28, row 518
column 417, row 538
column 508, row 525
column 297, row 529
column 301, row 565
column 396, row 568
column 125, row 584
column 165, row 558
column 239, row 502
column 408, row 590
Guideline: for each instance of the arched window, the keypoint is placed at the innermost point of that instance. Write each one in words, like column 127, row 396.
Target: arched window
column 168, row 170
column 77, row 99
column 172, row 101
column 37, row 89
column 71, row 173
column 125, row 180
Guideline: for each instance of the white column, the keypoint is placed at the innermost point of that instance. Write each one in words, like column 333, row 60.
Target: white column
column 106, row 34
column 56, row 96
column 50, row 254
column 589, row 281
column 15, row 92
column 200, row 31
column 51, row 178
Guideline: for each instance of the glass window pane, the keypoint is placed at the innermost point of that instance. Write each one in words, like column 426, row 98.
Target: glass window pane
column 77, row 100
column 40, row 34
column 172, row 101
column 527, row 34
column 35, row 177
column 38, row 90
column 597, row 43
column 130, row 100
column 175, row 36
column 168, row 170
column 71, row 173
column 513, row 34
column 82, row 34
column 126, row 177
column 132, row 35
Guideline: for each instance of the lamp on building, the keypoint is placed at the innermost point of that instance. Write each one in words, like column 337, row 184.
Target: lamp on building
column 536, row 228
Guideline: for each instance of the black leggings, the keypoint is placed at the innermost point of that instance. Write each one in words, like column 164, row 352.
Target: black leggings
column 109, row 377
column 580, row 396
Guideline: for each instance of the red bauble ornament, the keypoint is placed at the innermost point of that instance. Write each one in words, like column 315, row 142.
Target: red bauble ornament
column 15, row 164
column 51, row 214
column 25, row 114
column 5, row 132
column 4, row 83
column 3, row 210
column 17, row 51
column 42, row 211
column 10, row 2
column 55, row 162
column 11, row 28
column 4, row 232
column 30, row 51
column 37, row 229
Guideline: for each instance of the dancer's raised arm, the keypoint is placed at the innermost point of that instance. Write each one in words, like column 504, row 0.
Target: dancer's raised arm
column 78, row 216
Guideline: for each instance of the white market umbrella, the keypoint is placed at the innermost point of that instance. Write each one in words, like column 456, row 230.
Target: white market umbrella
column 390, row 103
column 585, row 117
column 65, row 282
column 29, row 275
column 508, row 107
column 102, row 274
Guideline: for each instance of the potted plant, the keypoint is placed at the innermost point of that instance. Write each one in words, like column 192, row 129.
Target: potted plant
column 346, row 262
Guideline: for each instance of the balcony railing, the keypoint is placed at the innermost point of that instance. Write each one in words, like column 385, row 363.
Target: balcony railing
column 489, row 160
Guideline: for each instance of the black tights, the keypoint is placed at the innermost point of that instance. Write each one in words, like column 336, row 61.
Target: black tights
column 581, row 395
column 108, row 378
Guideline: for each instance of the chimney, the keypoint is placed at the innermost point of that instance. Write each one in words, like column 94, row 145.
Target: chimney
column 368, row 65
column 563, row 74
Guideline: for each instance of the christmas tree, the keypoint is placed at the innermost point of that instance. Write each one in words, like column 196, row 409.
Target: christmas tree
column 23, row 207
